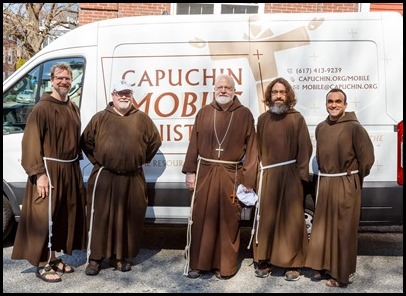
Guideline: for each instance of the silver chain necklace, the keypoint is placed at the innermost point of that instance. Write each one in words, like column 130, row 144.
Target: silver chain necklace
column 219, row 149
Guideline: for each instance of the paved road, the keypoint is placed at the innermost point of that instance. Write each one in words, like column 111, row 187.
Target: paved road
column 159, row 268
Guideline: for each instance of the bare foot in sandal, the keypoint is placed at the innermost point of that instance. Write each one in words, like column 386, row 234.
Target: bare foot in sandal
column 47, row 274
column 123, row 265
column 333, row 283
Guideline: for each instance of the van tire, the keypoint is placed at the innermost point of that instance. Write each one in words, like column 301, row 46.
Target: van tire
column 8, row 218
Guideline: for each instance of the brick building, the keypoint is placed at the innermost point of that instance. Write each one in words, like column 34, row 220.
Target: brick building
column 91, row 12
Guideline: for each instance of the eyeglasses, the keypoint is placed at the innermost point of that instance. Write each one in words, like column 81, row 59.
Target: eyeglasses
column 121, row 94
column 60, row 78
column 275, row 92
column 226, row 88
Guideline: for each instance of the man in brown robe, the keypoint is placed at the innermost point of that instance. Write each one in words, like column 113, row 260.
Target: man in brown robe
column 285, row 149
column 345, row 155
column 117, row 141
column 50, row 156
column 222, row 154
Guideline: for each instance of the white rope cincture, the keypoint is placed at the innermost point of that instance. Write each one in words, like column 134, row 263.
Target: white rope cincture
column 189, row 224
column 320, row 174
column 190, row 220
column 50, row 197
column 91, row 215
column 255, row 224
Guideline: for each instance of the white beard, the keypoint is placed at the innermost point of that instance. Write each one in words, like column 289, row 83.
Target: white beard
column 223, row 99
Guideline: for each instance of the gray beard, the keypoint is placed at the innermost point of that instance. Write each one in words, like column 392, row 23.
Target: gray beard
column 63, row 93
column 279, row 109
column 124, row 105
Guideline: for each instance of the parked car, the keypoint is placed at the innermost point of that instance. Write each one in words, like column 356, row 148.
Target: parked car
column 26, row 96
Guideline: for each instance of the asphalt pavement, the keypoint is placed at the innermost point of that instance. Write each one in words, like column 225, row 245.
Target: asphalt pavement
column 159, row 269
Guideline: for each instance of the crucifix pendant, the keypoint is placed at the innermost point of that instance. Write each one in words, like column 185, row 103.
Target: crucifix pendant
column 219, row 149
column 233, row 196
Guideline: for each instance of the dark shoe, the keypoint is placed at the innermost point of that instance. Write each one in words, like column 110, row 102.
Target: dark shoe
column 319, row 275
column 194, row 274
column 93, row 268
column 43, row 273
column 292, row 275
column 220, row 277
column 59, row 266
column 263, row 269
column 123, row 265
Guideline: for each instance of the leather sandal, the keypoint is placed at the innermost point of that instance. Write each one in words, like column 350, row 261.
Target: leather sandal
column 59, row 266
column 123, row 265
column 335, row 284
column 43, row 273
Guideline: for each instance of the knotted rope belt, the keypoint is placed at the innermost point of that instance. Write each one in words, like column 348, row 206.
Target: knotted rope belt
column 320, row 174
column 255, row 224
column 50, row 197
column 190, row 221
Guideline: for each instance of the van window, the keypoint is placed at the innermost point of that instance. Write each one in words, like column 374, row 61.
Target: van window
column 19, row 99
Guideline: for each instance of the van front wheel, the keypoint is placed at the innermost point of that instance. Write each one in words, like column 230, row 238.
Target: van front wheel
column 8, row 218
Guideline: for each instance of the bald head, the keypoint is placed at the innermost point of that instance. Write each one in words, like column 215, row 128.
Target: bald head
column 225, row 77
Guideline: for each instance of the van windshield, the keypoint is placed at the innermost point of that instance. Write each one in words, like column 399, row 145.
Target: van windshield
column 19, row 99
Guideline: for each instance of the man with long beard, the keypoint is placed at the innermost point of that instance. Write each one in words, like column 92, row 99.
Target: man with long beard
column 222, row 154
column 284, row 148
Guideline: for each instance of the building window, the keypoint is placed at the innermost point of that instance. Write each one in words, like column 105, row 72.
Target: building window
column 238, row 9
column 194, row 8
column 218, row 8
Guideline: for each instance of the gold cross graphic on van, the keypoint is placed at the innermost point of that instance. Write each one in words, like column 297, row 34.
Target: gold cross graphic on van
column 263, row 46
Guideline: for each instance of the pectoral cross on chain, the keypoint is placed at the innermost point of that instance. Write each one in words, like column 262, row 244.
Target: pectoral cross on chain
column 219, row 149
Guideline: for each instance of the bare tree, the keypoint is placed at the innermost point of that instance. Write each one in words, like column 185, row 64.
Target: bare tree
column 33, row 25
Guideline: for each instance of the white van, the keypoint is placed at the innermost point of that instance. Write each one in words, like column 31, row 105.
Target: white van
column 172, row 62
